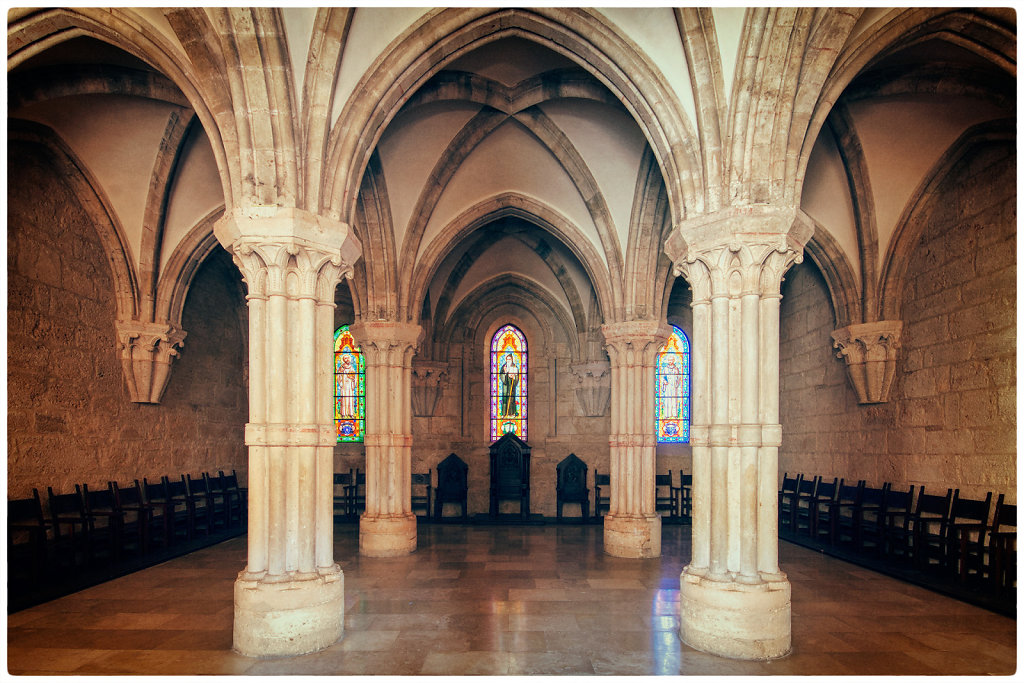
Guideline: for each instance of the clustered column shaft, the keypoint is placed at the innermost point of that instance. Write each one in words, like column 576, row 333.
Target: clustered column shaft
column 631, row 528
column 289, row 598
column 388, row 527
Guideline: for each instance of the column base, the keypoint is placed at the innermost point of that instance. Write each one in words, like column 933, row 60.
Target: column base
column 735, row 620
column 289, row 617
column 636, row 536
column 387, row 535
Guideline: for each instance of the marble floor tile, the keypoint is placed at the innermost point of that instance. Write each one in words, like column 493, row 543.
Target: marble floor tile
column 521, row 601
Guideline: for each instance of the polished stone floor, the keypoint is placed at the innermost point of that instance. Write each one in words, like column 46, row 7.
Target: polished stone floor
column 506, row 600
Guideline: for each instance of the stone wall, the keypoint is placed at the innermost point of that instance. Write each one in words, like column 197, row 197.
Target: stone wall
column 951, row 420
column 69, row 417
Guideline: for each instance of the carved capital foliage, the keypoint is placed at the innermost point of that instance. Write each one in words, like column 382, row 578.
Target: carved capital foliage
column 593, row 388
column 635, row 342
column 739, row 250
column 428, row 381
column 870, row 351
column 386, row 342
column 146, row 351
column 288, row 252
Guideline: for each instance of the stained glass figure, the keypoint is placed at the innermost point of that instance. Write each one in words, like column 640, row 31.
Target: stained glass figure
column 508, row 382
column 349, row 387
column 672, row 389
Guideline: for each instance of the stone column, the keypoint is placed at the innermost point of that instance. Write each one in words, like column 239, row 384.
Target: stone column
column 289, row 599
column 147, row 350
column 631, row 527
column 870, row 351
column 388, row 527
column 734, row 599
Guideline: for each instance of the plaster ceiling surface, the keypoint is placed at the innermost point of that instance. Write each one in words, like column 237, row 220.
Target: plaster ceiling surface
column 194, row 194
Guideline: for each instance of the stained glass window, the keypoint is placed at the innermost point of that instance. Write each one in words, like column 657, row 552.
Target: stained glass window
column 349, row 387
column 672, row 389
column 508, row 382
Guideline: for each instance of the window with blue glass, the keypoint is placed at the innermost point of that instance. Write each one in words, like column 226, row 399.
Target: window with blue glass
column 672, row 389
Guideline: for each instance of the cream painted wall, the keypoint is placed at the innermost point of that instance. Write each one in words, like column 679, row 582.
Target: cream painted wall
column 826, row 196
column 526, row 167
column 410, row 148
column 109, row 134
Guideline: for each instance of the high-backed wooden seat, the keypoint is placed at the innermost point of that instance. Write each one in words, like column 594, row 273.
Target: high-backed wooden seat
column 359, row 493
column 510, row 473
column 136, row 515
column 105, row 521
column 1002, row 553
column 227, row 487
column 344, row 483
column 787, row 498
column 964, row 551
column 70, row 527
column 602, row 493
column 571, row 485
column 685, row 504
column 452, row 485
column 869, row 516
column 803, row 502
column 819, row 506
column 838, row 520
column 27, row 539
column 919, row 536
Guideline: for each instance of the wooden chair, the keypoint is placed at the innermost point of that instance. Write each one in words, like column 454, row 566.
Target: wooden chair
column 227, row 487
column 137, row 516
column 169, row 516
column 803, row 501
column 510, row 474
column 421, row 498
column 105, row 521
column 869, row 517
column 964, row 552
column 27, row 539
column 452, row 485
column 70, row 527
column 343, row 485
column 665, row 495
column 199, row 499
column 571, row 485
column 181, row 507
column 602, row 501
column 819, row 506
column 919, row 536
column 1002, row 544
column 787, row 497
column 685, row 501
column 840, row 518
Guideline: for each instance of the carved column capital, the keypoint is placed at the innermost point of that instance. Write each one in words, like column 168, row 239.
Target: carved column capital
column 594, row 386
column 387, row 342
column 288, row 251
column 739, row 250
column 147, row 350
column 635, row 342
column 870, row 351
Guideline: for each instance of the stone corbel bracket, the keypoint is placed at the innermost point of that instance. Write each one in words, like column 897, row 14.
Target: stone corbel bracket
column 428, row 379
column 147, row 350
column 870, row 351
column 594, row 389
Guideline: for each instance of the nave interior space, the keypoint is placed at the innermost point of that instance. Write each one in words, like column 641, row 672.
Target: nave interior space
column 507, row 600
column 302, row 262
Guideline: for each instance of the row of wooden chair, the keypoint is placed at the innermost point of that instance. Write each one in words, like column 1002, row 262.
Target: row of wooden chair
column 101, row 525
column 452, row 487
column 965, row 539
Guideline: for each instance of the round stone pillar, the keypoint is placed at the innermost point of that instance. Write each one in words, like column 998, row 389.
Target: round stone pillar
column 631, row 527
column 388, row 526
column 734, row 600
column 289, row 599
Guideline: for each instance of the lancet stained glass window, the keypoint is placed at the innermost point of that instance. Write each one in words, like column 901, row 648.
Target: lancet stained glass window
column 672, row 389
column 508, row 382
column 349, row 387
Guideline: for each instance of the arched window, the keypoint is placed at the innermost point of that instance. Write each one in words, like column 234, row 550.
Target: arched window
column 349, row 387
column 672, row 389
column 508, row 382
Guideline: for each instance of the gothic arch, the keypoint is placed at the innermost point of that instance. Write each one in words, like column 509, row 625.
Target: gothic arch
column 95, row 204
column 911, row 225
column 449, row 33
column 509, row 204
column 900, row 28
column 181, row 268
column 32, row 32
column 831, row 261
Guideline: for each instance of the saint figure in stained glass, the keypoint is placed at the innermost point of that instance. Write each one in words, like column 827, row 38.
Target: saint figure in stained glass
column 349, row 387
column 672, row 389
column 508, row 382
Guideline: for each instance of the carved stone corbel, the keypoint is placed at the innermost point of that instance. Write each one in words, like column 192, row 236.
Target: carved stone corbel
column 427, row 380
column 594, row 388
column 870, row 351
column 147, row 350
